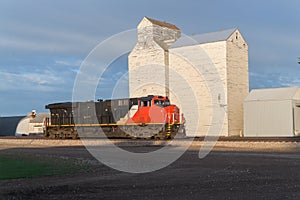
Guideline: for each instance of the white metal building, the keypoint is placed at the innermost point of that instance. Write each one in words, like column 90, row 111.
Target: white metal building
column 272, row 112
column 31, row 124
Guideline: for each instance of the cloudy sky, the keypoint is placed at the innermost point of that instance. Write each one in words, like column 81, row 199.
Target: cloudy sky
column 43, row 43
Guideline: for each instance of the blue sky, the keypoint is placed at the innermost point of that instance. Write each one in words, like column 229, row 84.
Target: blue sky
column 42, row 43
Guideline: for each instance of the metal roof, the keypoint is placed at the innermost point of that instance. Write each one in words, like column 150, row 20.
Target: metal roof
column 39, row 118
column 204, row 38
column 274, row 94
column 60, row 105
column 214, row 36
column 163, row 24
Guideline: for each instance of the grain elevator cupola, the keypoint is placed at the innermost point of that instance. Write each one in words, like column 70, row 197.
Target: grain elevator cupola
column 152, row 49
column 162, row 33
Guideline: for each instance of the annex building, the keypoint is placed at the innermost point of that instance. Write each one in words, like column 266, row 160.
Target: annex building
column 272, row 112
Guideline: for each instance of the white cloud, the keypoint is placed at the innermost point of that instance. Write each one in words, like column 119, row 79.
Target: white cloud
column 273, row 79
column 75, row 63
column 289, row 81
column 58, row 45
column 35, row 38
column 20, row 37
column 30, row 81
column 254, row 74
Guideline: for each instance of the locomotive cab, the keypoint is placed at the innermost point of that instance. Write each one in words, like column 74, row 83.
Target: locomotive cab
column 155, row 109
column 154, row 100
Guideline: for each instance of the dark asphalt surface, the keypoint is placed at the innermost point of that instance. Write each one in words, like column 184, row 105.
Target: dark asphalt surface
column 221, row 175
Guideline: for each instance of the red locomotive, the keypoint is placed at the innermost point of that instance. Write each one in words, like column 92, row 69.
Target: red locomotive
column 155, row 109
column 144, row 117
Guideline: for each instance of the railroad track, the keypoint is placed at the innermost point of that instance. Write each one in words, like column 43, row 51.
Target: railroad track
column 221, row 139
column 252, row 139
column 222, row 144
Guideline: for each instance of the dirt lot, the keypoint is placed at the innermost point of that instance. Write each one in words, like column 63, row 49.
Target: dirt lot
column 230, row 171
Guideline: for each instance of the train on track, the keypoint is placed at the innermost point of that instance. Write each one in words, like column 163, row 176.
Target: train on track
column 145, row 117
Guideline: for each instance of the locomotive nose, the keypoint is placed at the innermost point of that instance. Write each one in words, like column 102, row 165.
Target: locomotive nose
column 157, row 114
column 172, row 113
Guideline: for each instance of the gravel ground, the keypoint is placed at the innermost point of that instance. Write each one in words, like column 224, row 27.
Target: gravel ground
column 231, row 171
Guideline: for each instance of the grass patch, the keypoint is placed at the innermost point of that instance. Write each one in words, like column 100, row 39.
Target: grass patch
column 17, row 166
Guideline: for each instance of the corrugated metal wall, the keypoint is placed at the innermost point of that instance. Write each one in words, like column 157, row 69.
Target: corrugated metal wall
column 268, row 118
column 297, row 119
column 8, row 125
column 23, row 127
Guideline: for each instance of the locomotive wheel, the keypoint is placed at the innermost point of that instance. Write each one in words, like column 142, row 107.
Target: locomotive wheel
column 75, row 136
column 51, row 135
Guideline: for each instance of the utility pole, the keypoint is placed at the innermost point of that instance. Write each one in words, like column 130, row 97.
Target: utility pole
column 167, row 73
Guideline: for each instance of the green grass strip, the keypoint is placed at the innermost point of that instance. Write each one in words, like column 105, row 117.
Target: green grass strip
column 17, row 166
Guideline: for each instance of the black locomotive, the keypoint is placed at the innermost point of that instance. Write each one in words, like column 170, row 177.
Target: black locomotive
column 144, row 117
